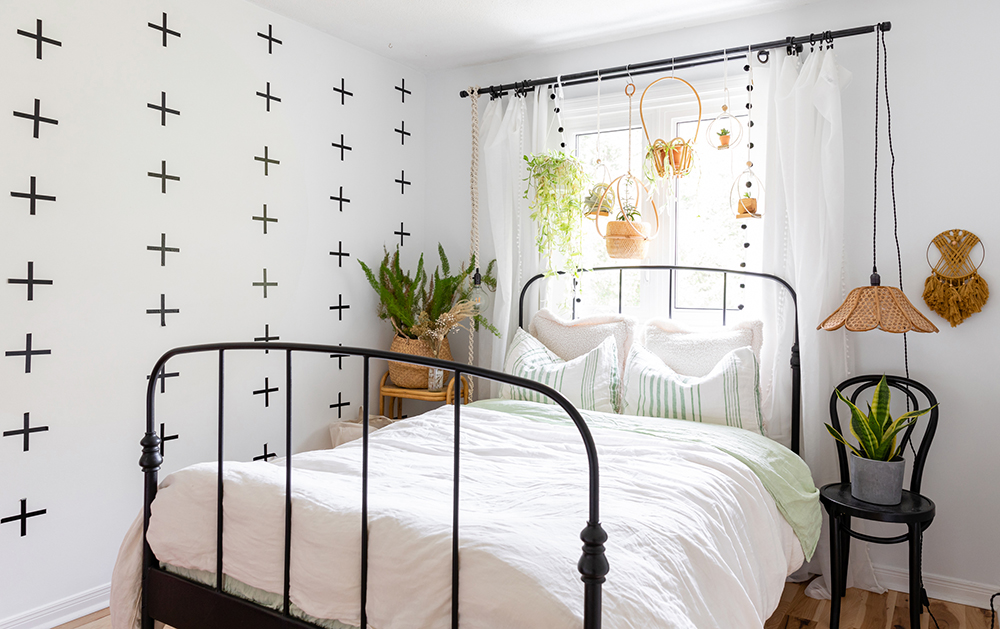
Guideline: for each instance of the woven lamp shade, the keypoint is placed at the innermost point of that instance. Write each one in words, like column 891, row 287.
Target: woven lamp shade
column 883, row 307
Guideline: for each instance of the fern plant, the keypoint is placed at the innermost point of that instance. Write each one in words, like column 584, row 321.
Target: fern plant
column 876, row 431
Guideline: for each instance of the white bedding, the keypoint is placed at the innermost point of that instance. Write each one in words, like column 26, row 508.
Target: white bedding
column 694, row 538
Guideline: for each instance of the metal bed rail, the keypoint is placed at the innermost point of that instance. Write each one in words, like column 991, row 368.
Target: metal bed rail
column 796, row 411
column 187, row 605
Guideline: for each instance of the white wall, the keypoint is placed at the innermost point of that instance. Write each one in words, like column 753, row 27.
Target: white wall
column 939, row 80
column 92, row 244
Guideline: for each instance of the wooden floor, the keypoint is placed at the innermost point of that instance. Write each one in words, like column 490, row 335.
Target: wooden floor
column 861, row 610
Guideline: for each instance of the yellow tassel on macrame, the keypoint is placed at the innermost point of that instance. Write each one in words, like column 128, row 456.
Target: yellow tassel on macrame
column 955, row 289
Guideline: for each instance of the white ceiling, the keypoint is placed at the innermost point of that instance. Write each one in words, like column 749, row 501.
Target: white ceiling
column 443, row 34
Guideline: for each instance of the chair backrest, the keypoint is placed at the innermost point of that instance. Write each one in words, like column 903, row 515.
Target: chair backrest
column 852, row 388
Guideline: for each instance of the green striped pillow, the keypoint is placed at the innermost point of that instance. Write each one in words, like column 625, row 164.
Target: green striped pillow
column 729, row 394
column 590, row 381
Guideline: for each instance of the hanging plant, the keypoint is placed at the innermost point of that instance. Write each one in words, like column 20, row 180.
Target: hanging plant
column 559, row 181
column 674, row 157
column 593, row 206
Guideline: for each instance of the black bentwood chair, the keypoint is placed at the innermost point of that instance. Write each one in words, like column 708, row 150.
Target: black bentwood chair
column 915, row 511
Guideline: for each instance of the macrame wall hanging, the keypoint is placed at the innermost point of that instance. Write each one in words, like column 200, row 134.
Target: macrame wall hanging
column 954, row 289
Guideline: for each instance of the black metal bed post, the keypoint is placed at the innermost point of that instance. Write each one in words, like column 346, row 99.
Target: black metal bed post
column 364, row 494
column 286, row 593
column 218, row 490
column 150, row 462
column 457, row 379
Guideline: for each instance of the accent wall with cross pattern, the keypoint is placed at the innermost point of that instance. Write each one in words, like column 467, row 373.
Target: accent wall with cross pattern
column 176, row 172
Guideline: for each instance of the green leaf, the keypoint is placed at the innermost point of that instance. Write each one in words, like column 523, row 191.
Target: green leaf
column 880, row 405
column 863, row 433
column 840, row 438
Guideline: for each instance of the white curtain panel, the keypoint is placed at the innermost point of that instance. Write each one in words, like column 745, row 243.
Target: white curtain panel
column 804, row 243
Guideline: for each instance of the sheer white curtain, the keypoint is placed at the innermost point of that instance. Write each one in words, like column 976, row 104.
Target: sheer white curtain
column 804, row 243
column 508, row 132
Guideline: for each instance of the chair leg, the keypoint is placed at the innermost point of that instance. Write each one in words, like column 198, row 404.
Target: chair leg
column 916, row 599
column 836, row 567
column 845, row 552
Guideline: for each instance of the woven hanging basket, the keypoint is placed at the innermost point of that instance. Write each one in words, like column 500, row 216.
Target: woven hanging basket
column 413, row 376
column 624, row 242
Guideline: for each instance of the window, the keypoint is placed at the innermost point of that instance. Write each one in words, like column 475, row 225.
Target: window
column 697, row 212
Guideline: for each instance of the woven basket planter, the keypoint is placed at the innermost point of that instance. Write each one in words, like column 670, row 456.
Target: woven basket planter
column 413, row 376
column 627, row 240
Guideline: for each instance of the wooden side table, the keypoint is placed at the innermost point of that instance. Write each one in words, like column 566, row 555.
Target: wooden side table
column 396, row 395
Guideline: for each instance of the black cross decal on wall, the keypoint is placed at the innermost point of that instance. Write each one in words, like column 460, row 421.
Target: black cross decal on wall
column 402, row 234
column 264, row 457
column 163, row 109
column 265, row 283
column 340, row 307
column 342, row 146
column 163, row 176
column 341, row 199
column 340, row 358
column 37, row 117
column 30, row 281
column 402, row 182
column 164, row 438
column 340, row 253
column 270, row 38
column 166, row 31
column 26, row 431
column 39, row 39
column 267, row 337
column 162, row 377
column 27, row 352
column 342, row 89
column 402, row 89
column 23, row 516
column 163, row 311
column 163, row 249
column 32, row 196
column 266, row 95
column 265, row 219
column 267, row 160
column 402, row 133
column 267, row 391
column 340, row 405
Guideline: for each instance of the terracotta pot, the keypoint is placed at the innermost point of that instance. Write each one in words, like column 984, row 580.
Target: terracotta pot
column 623, row 242
column 413, row 376
column 748, row 206
column 680, row 159
column 724, row 140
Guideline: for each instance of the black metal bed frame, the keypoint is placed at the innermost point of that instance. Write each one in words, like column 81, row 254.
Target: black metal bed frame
column 671, row 268
column 185, row 604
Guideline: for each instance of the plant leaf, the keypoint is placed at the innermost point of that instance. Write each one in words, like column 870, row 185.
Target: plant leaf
column 840, row 438
column 880, row 405
column 863, row 433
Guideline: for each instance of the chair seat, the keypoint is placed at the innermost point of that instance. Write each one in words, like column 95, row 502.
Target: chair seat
column 913, row 507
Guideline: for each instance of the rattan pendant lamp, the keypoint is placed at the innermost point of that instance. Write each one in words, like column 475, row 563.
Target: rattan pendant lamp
column 883, row 307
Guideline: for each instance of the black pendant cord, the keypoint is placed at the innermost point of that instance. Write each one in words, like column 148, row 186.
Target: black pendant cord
column 878, row 69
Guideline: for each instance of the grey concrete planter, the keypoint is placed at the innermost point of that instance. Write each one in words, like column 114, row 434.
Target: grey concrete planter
column 878, row 482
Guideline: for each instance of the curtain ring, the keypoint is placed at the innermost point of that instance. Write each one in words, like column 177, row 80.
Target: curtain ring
column 763, row 55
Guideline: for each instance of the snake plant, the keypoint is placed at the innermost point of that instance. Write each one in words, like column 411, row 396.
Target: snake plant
column 876, row 431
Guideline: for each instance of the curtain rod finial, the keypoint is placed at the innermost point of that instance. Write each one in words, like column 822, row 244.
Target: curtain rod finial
column 885, row 26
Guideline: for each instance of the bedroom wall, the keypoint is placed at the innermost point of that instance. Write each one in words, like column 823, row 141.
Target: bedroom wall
column 91, row 243
column 943, row 169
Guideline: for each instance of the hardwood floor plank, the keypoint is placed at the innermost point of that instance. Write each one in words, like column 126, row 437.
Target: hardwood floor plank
column 86, row 621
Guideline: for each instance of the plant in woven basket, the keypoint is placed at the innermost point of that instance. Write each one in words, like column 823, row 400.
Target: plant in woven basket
column 559, row 181
column 876, row 431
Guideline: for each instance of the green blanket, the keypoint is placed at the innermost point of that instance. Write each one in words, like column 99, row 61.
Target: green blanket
column 784, row 475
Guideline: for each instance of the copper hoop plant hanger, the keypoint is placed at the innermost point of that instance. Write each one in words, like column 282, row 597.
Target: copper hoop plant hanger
column 677, row 154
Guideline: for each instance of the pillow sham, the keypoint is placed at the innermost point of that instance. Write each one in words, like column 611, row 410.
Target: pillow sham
column 572, row 339
column 590, row 381
column 696, row 351
column 729, row 394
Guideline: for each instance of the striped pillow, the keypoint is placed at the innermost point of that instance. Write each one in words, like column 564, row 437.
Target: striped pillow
column 590, row 381
column 729, row 394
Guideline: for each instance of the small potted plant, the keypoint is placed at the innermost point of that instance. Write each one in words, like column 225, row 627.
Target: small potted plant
column 748, row 205
column 600, row 201
column 559, row 181
column 876, row 464
column 724, row 138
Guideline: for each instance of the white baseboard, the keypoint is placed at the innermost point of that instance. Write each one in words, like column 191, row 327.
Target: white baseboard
column 941, row 588
column 61, row 612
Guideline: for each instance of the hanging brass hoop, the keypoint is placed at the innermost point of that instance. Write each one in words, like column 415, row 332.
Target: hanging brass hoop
column 724, row 118
column 678, row 153
column 742, row 206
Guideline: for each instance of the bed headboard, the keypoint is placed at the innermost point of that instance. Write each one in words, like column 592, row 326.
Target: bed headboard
column 796, row 411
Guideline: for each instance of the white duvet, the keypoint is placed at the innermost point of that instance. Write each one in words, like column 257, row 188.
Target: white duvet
column 694, row 539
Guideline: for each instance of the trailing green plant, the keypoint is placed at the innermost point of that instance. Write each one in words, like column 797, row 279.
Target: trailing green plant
column 412, row 302
column 559, row 181
column 724, row 131
column 876, row 431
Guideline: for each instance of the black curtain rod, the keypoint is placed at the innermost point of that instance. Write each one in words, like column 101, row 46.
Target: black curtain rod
column 679, row 63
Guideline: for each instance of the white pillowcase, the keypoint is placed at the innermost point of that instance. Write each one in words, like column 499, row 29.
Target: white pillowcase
column 729, row 394
column 572, row 339
column 590, row 381
column 694, row 351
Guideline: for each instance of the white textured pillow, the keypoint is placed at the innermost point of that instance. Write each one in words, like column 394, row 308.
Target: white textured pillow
column 590, row 381
column 728, row 395
column 694, row 351
column 572, row 339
